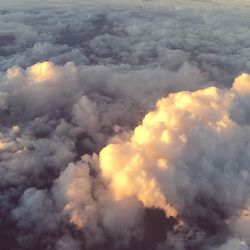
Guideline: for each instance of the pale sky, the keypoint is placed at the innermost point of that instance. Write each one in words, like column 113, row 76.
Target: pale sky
column 225, row 3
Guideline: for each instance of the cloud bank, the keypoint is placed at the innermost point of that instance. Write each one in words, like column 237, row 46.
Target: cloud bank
column 124, row 126
column 210, row 35
column 188, row 158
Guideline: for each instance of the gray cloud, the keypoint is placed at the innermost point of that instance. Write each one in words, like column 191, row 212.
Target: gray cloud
column 209, row 36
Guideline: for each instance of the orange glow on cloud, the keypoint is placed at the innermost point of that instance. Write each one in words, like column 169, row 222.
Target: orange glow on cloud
column 133, row 167
column 241, row 84
column 41, row 72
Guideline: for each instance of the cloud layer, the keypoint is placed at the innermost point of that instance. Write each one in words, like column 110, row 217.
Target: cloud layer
column 111, row 134
column 211, row 35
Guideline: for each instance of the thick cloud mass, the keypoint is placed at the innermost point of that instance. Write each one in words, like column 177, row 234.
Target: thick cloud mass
column 111, row 134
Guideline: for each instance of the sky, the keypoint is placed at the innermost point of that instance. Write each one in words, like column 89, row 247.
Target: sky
column 124, row 125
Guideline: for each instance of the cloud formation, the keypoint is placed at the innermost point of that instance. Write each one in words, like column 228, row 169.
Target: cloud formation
column 89, row 161
column 51, row 116
column 180, row 160
column 138, row 34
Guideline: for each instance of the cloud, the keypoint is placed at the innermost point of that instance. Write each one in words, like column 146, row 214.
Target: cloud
column 181, row 160
column 234, row 244
column 51, row 116
column 87, row 161
column 165, row 34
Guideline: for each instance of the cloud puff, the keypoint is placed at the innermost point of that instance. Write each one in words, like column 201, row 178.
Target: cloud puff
column 234, row 244
column 181, row 159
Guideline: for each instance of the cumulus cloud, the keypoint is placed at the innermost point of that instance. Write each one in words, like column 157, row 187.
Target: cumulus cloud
column 88, row 161
column 51, row 116
column 182, row 155
column 180, row 159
